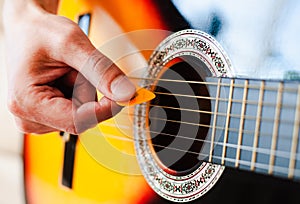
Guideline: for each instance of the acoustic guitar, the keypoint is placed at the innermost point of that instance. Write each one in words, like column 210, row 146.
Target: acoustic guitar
column 207, row 137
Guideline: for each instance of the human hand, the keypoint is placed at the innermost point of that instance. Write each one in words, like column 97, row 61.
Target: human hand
column 53, row 69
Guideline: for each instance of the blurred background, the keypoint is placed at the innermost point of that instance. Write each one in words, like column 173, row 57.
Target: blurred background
column 11, row 165
column 259, row 36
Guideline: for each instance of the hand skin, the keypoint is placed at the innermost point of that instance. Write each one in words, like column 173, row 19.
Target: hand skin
column 53, row 71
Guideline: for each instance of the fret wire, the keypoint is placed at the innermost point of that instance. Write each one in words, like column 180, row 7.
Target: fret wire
column 238, row 151
column 262, row 166
column 295, row 137
column 248, row 102
column 275, row 128
column 267, row 88
column 280, row 153
column 214, row 121
column 257, row 125
column 283, row 154
column 227, row 121
column 247, row 117
column 248, row 132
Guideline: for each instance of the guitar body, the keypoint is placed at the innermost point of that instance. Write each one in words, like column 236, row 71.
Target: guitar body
column 95, row 181
column 105, row 167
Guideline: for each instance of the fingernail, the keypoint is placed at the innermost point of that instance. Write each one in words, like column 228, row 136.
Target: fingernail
column 122, row 88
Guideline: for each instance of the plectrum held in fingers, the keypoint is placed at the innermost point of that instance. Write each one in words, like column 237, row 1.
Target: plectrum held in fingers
column 142, row 95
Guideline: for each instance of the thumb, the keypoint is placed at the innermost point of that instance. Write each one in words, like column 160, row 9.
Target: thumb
column 78, row 52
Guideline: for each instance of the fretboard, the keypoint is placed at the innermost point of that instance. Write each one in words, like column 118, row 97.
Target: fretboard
column 255, row 125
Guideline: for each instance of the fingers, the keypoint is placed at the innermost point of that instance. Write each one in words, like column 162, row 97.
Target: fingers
column 76, row 87
column 86, row 111
column 51, row 113
column 77, row 51
column 90, row 114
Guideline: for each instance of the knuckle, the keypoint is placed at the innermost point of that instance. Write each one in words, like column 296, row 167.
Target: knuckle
column 69, row 34
column 23, row 126
column 20, row 102
column 100, row 64
column 103, row 68
column 13, row 107
column 102, row 61
column 71, row 129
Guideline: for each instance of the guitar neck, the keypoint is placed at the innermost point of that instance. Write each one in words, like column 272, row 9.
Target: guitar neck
column 255, row 125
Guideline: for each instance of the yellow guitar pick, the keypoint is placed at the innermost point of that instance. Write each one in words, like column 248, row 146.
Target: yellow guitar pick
column 142, row 95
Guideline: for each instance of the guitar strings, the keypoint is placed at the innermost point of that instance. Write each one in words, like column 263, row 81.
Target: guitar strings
column 268, row 152
column 284, row 154
column 280, row 153
column 233, row 160
column 231, row 115
column 262, row 166
column 248, row 102
column 235, row 85
column 249, row 132
column 231, row 100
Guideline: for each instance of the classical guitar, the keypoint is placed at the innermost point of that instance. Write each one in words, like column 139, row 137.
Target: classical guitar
column 207, row 137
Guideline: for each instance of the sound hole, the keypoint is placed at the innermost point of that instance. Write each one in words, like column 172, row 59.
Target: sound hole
column 179, row 116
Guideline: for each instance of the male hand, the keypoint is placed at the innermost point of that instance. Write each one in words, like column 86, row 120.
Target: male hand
column 54, row 70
